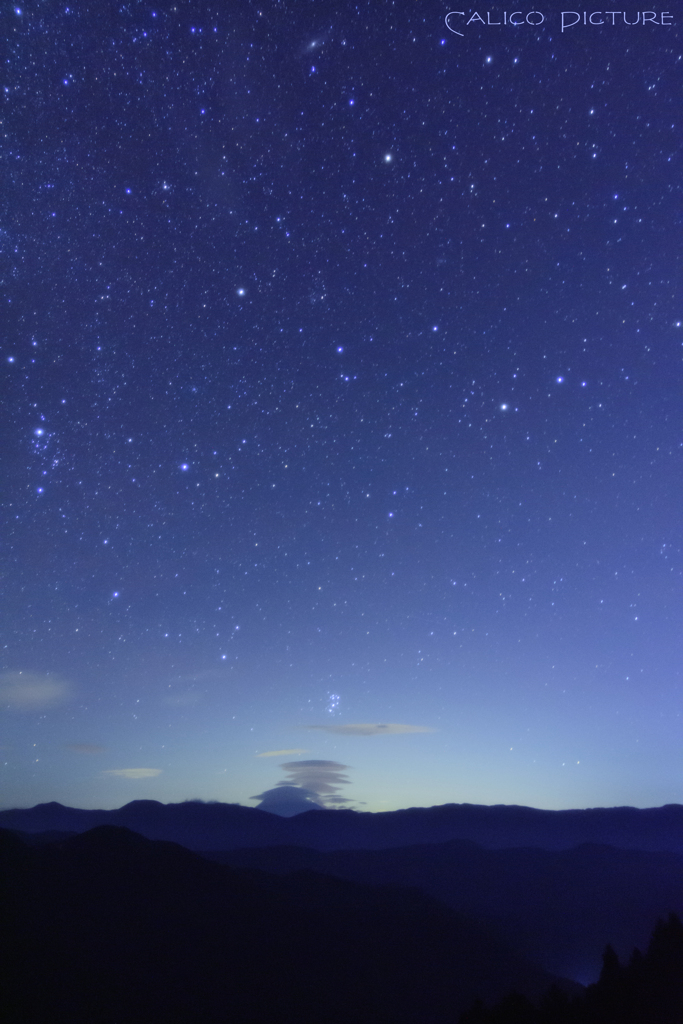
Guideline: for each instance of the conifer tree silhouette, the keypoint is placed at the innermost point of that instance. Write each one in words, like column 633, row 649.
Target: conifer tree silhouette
column 648, row 990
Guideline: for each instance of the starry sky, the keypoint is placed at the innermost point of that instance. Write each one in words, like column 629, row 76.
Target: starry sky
column 341, row 363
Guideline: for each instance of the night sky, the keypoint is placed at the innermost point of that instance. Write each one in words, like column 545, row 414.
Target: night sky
column 341, row 362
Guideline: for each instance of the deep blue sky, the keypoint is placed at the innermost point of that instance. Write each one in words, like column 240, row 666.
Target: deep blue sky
column 342, row 377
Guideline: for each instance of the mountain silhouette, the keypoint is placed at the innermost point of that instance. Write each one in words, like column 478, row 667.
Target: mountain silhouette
column 557, row 908
column 218, row 826
column 111, row 928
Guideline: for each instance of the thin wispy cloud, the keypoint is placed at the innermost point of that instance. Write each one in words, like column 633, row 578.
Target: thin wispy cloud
column 372, row 729
column 134, row 773
column 32, row 691
column 282, row 753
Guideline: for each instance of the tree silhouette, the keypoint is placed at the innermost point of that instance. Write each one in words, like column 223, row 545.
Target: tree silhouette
column 648, row 990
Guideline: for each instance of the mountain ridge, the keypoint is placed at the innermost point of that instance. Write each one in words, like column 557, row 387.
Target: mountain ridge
column 126, row 928
column 558, row 908
column 218, row 826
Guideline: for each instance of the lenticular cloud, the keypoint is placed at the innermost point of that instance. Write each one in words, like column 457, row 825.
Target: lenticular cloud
column 311, row 785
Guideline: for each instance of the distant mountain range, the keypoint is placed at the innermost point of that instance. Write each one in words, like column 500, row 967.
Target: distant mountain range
column 216, row 826
column 403, row 917
column 558, row 909
column 108, row 927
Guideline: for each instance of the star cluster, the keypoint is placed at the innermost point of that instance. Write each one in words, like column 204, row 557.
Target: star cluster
column 342, row 381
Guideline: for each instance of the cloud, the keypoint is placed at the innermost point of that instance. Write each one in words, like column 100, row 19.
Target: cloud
column 311, row 784
column 320, row 776
column 85, row 748
column 288, row 800
column 31, row 691
column 372, row 729
column 134, row 773
column 282, row 753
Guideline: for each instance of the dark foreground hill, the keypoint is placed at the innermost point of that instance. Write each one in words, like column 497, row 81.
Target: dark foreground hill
column 216, row 826
column 557, row 908
column 110, row 928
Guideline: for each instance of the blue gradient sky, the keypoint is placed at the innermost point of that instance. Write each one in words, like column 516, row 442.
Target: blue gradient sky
column 342, row 387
